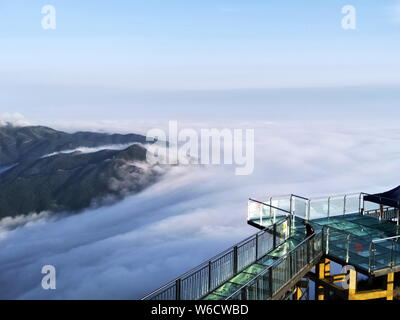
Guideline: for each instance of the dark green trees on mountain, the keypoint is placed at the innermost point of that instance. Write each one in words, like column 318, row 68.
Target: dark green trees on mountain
column 67, row 181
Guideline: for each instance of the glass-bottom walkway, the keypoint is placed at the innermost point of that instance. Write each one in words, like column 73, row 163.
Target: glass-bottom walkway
column 273, row 271
column 367, row 243
column 268, row 264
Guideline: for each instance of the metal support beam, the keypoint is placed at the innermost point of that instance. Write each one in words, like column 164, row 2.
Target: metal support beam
column 329, row 285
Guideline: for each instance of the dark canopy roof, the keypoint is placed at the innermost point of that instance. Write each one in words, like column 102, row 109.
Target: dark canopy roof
column 389, row 198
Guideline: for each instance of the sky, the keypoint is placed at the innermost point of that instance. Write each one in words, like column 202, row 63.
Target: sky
column 323, row 101
column 186, row 59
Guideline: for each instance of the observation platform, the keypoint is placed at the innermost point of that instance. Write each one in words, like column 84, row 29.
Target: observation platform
column 276, row 262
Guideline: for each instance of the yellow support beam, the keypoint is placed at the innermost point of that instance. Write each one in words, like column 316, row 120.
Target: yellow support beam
column 325, row 281
column 298, row 293
column 323, row 269
column 370, row 294
column 352, row 284
column 327, row 268
column 390, row 286
column 336, row 278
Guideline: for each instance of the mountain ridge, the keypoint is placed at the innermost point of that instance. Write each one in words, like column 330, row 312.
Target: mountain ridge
column 30, row 142
column 69, row 182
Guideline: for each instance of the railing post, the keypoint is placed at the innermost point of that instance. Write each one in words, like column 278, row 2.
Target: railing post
column 243, row 294
column 270, row 208
column 327, row 241
column 348, row 249
column 274, row 236
column 235, row 260
column 329, row 206
column 209, row 276
column 344, row 204
column 271, row 282
column 178, row 289
column 391, row 255
column 256, row 247
column 292, row 219
column 372, row 256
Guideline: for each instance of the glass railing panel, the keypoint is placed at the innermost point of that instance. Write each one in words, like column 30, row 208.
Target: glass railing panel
column 282, row 231
column 195, row 285
column 264, row 214
column 281, row 203
column 166, row 293
column 263, row 287
column 258, row 289
column 358, row 248
column 254, row 211
column 246, row 254
column 318, row 208
column 221, row 269
column 336, row 206
column 300, row 207
column 382, row 260
column 265, row 244
column 396, row 253
column 280, row 274
column 316, row 246
column 352, row 204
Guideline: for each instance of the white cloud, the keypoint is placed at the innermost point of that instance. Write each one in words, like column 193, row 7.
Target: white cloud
column 91, row 149
column 128, row 249
column 14, row 118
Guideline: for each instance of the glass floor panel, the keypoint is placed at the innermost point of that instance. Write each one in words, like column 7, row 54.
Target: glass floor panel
column 284, row 248
column 267, row 261
column 344, row 226
column 213, row 296
column 227, row 289
column 326, row 221
column 255, row 269
column 242, row 278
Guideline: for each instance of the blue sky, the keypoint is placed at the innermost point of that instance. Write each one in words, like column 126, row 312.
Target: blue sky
column 218, row 61
column 134, row 52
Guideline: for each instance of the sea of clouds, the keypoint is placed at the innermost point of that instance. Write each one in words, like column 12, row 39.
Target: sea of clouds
column 128, row 249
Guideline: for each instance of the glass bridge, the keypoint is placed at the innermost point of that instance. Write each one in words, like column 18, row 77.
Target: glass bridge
column 349, row 230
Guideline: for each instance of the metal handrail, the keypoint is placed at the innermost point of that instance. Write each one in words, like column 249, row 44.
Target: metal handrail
column 215, row 258
column 310, row 201
column 384, row 239
column 300, row 197
column 269, row 205
column 277, row 262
